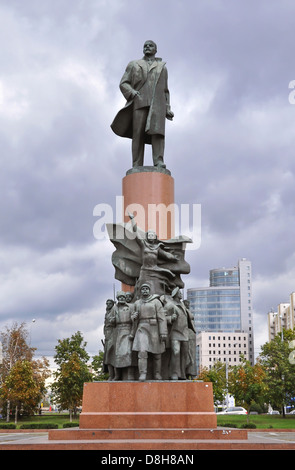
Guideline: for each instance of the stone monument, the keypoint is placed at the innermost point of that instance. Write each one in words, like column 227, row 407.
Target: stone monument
column 146, row 263
column 150, row 348
column 149, row 401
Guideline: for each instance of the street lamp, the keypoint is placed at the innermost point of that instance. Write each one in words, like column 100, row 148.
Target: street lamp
column 226, row 378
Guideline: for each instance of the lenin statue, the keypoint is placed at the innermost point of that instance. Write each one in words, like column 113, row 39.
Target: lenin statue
column 145, row 87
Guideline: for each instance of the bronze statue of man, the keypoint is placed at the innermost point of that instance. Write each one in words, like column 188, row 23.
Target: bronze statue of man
column 151, row 333
column 179, row 335
column 145, row 87
column 109, row 341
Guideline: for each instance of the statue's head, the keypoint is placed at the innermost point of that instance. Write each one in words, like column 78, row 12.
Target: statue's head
column 176, row 294
column 145, row 290
column 109, row 303
column 151, row 235
column 149, row 48
column 121, row 297
column 129, row 296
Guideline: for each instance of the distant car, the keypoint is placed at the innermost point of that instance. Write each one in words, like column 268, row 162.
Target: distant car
column 233, row 410
column 273, row 412
column 292, row 412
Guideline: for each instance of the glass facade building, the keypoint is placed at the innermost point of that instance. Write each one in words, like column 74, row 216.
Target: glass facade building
column 226, row 305
column 224, row 277
column 216, row 309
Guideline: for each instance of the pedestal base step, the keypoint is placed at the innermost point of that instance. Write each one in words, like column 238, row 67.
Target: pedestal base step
column 142, row 420
column 129, row 434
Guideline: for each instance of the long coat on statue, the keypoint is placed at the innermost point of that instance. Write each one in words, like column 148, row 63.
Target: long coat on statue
column 151, row 324
column 135, row 78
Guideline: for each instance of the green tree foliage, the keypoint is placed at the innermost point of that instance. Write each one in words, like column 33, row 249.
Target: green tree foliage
column 22, row 377
column 71, row 358
column 99, row 373
column 21, row 387
column 247, row 383
column 216, row 375
column 280, row 378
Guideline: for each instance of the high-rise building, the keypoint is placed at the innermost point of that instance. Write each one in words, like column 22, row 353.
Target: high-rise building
column 283, row 318
column 225, row 306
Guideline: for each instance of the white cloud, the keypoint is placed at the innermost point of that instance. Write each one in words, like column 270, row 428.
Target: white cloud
column 14, row 103
column 81, row 75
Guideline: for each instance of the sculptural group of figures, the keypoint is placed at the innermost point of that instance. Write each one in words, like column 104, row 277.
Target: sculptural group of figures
column 152, row 337
column 149, row 333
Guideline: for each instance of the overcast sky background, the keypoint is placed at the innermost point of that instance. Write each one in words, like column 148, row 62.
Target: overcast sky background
column 230, row 148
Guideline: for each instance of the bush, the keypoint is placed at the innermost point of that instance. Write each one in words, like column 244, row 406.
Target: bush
column 39, row 426
column 258, row 408
column 248, row 426
column 7, row 426
column 228, row 425
column 70, row 425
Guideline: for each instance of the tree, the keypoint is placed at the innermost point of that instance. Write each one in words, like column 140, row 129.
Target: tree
column 71, row 357
column 16, row 351
column 280, row 377
column 20, row 386
column 15, row 346
column 98, row 368
column 247, row 383
column 217, row 376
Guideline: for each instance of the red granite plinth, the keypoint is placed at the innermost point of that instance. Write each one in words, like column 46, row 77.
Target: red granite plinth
column 146, row 415
column 179, row 404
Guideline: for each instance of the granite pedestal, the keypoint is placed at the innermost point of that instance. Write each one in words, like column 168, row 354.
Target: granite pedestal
column 154, row 404
column 150, row 411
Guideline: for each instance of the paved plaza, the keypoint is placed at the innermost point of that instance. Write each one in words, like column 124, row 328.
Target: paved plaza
column 257, row 440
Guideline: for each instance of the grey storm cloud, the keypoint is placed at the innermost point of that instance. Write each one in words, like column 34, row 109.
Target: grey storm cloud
column 230, row 147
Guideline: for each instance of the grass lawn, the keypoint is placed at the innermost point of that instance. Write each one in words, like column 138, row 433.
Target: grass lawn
column 48, row 418
column 261, row 421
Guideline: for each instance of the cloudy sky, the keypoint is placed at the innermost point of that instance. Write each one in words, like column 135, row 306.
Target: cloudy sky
column 230, row 148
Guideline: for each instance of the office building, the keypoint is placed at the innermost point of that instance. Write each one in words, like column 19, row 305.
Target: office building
column 225, row 307
column 283, row 318
column 223, row 347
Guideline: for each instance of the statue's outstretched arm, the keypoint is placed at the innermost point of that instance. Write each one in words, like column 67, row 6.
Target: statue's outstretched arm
column 134, row 228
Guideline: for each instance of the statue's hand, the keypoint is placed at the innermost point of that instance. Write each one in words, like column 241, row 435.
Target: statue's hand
column 173, row 317
column 131, row 216
column 169, row 115
column 135, row 93
column 134, row 316
column 163, row 338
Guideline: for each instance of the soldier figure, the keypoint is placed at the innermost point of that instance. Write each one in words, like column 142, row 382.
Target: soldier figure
column 124, row 336
column 151, row 332
column 109, row 342
column 179, row 337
